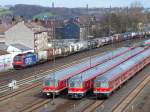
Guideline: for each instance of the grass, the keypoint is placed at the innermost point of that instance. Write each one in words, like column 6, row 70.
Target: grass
column 41, row 15
column 5, row 11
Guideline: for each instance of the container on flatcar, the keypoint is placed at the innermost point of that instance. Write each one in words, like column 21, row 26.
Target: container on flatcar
column 45, row 55
column 99, row 42
column 42, row 56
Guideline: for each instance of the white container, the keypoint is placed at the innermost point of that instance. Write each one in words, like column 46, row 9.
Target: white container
column 42, row 55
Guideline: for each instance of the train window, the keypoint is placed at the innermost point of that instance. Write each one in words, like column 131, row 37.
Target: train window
column 50, row 83
column 71, row 84
column 97, row 84
column 47, row 83
column 17, row 58
column 53, row 83
column 75, row 84
column 104, row 84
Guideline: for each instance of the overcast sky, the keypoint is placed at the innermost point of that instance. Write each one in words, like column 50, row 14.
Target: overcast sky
column 77, row 3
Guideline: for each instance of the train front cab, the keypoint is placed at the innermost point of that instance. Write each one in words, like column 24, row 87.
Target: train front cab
column 50, row 88
column 76, row 90
column 101, row 89
column 18, row 62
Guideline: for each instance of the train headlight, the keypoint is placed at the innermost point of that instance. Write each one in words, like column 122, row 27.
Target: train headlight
column 48, row 94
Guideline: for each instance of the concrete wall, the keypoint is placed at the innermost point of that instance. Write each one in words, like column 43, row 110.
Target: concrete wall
column 6, row 62
column 20, row 34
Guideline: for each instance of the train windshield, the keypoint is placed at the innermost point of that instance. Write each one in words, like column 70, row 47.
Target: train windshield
column 18, row 58
column 101, row 84
column 50, row 83
column 75, row 84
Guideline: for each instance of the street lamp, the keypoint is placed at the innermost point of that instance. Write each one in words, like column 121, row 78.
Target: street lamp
column 88, row 37
column 53, row 103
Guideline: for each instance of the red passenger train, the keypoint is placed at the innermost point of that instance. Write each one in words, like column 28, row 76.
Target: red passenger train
column 58, row 81
column 83, row 82
column 104, row 85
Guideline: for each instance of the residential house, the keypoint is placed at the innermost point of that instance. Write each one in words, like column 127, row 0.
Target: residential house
column 51, row 26
column 28, row 34
column 3, row 28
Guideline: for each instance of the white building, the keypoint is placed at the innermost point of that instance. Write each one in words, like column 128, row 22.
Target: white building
column 27, row 34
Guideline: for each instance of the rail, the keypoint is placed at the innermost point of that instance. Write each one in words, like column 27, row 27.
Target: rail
column 124, row 102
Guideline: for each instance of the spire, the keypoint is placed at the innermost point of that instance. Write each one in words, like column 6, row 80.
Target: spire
column 53, row 5
column 87, row 7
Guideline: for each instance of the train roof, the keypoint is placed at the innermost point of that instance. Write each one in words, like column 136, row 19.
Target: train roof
column 95, row 71
column 124, row 66
column 26, row 54
column 69, row 71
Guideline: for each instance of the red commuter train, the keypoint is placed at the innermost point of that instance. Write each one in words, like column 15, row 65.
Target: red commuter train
column 58, row 81
column 83, row 82
column 104, row 85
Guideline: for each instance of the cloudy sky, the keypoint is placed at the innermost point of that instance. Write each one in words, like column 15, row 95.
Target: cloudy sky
column 77, row 3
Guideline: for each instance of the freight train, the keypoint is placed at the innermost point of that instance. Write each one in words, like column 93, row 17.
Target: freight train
column 81, row 83
column 106, row 84
column 56, row 52
column 55, row 83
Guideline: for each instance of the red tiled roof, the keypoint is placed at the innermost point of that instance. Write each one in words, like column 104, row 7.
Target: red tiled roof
column 36, row 27
column 5, row 27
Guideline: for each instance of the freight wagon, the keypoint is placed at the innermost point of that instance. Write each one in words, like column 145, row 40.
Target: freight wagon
column 56, row 82
column 104, row 85
column 79, row 84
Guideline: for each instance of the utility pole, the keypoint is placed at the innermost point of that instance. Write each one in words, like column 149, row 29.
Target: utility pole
column 53, row 103
column 109, row 22
column 88, row 28
column 127, row 19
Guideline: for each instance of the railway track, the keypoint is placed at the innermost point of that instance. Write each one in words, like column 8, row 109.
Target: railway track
column 39, row 103
column 93, row 106
column 126, row 101
column 40, row 76
column 30, row 80
column 5, row 77
column 38, row 73
column 8, row 96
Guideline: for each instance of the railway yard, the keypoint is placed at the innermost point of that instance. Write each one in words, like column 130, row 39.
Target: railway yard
column 132, row 96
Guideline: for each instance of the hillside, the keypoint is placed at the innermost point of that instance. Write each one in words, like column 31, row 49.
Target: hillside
column 5, row 11
column 28, row 11
column 43, row 14
column 35, row 11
